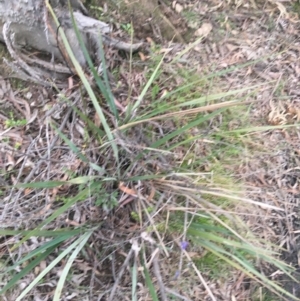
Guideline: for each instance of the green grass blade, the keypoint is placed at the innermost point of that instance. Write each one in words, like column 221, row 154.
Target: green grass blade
column 190, row 125
column 245, row 267
column 211, row 76
column 96, row 132
column 194, row 102
column 147, row 86
column 76, row 151
column 110, row 99
column 53, row 184
column 187, row 49
column 134, row 282
column 255, row 129
column 86, row 84
column 80, row 196
column 27, row 269
column 149, row 283
column 42, row 233
column 84, row 238
column 40, row 185
column 54, row 242
column 264, row 280
column 49, row 268
column 104, row 87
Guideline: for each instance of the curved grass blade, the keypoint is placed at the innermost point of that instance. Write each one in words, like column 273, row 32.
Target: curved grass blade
column 149, row 283
column 104, row 87
column 56, row 241
column 134, row 282
column 28, row 268
column 86, row 84
column 50, row 267
column 63, row 277
column 80, row 196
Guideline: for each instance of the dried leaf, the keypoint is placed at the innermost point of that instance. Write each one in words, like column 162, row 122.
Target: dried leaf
column 127, row 190
column 97, row 120
column 142, row 56
column 178, row 8
column 204, row 30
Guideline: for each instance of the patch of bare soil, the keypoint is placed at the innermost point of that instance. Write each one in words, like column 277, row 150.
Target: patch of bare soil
column 150, row 19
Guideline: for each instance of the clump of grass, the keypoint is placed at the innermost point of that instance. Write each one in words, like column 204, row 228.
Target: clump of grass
column 164, row 160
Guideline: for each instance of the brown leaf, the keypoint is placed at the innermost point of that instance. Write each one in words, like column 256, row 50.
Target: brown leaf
column 97, row 120
column 142, row 56
column 204, row 30
column 127, row 190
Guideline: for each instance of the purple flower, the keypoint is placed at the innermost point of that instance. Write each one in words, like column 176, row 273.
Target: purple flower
column 177, row 274
column 184, row 245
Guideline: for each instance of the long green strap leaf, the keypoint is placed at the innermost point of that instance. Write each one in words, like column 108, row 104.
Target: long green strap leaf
column 80, row 196
column 49, row 268
column 27, row 269
column 104, row 88
column 63, row 277
column 86, row 84
column 54, row 242
column 149, row 283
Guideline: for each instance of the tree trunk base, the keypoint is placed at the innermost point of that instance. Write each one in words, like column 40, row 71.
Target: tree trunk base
column 27, row 25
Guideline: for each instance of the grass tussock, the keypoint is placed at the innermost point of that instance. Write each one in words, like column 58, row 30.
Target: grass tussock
column 144, row 201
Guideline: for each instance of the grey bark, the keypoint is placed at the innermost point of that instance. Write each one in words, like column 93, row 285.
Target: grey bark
column 27, row 25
